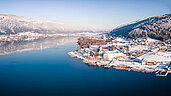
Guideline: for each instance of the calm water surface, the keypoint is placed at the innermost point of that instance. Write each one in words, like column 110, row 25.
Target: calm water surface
column 52, row 72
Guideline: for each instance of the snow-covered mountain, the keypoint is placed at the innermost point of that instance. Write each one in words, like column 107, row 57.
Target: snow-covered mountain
column 158, row 27
column 11, row 24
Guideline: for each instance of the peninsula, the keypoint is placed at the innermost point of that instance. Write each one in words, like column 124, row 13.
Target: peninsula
column 140, row 50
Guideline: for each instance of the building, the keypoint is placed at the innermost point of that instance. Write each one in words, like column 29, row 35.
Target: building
column 110, row 55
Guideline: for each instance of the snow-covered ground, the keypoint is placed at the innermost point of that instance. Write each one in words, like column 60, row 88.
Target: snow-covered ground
column 152, row 40
column 158, row 57
column 138, row 47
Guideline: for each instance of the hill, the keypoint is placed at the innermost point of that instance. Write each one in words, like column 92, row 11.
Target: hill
column 158, row 27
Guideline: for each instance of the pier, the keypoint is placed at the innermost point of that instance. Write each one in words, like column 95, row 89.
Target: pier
column 165, row 72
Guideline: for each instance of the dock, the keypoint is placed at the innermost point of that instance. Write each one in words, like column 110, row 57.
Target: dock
column 165, row 72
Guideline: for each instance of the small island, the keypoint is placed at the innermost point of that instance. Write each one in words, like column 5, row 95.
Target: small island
column 142, row 54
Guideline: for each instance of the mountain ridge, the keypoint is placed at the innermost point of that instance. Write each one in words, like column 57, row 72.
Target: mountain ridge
column 12, row 24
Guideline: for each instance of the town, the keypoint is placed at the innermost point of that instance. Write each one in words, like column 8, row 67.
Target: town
column 30, row 36
column 142, row 54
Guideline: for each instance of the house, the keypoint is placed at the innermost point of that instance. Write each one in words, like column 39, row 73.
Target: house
column 86, row 55
column 169, row 50
column 145, row 62
column 154, row 49
column 99, row 57
column 94, row 47
column 164, row 48
column 110, row 55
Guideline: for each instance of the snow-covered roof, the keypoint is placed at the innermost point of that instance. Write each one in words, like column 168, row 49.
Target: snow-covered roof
column 119, row 39
column 112, row 52
column 94, row 47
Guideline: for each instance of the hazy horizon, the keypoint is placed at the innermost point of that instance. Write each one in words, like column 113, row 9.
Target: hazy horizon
column 98, row 14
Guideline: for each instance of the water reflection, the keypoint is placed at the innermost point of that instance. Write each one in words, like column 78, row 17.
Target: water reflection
column 39, row 44
column 96, row 66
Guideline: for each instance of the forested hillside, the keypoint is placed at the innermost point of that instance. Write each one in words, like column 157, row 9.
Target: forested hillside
column 158, row 27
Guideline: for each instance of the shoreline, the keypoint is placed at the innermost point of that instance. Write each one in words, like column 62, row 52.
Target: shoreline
column 110, row 65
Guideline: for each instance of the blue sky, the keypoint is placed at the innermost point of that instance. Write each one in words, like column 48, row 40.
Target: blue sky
column 103, row 14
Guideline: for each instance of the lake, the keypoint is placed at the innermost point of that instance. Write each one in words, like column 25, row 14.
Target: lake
column 50, row 71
